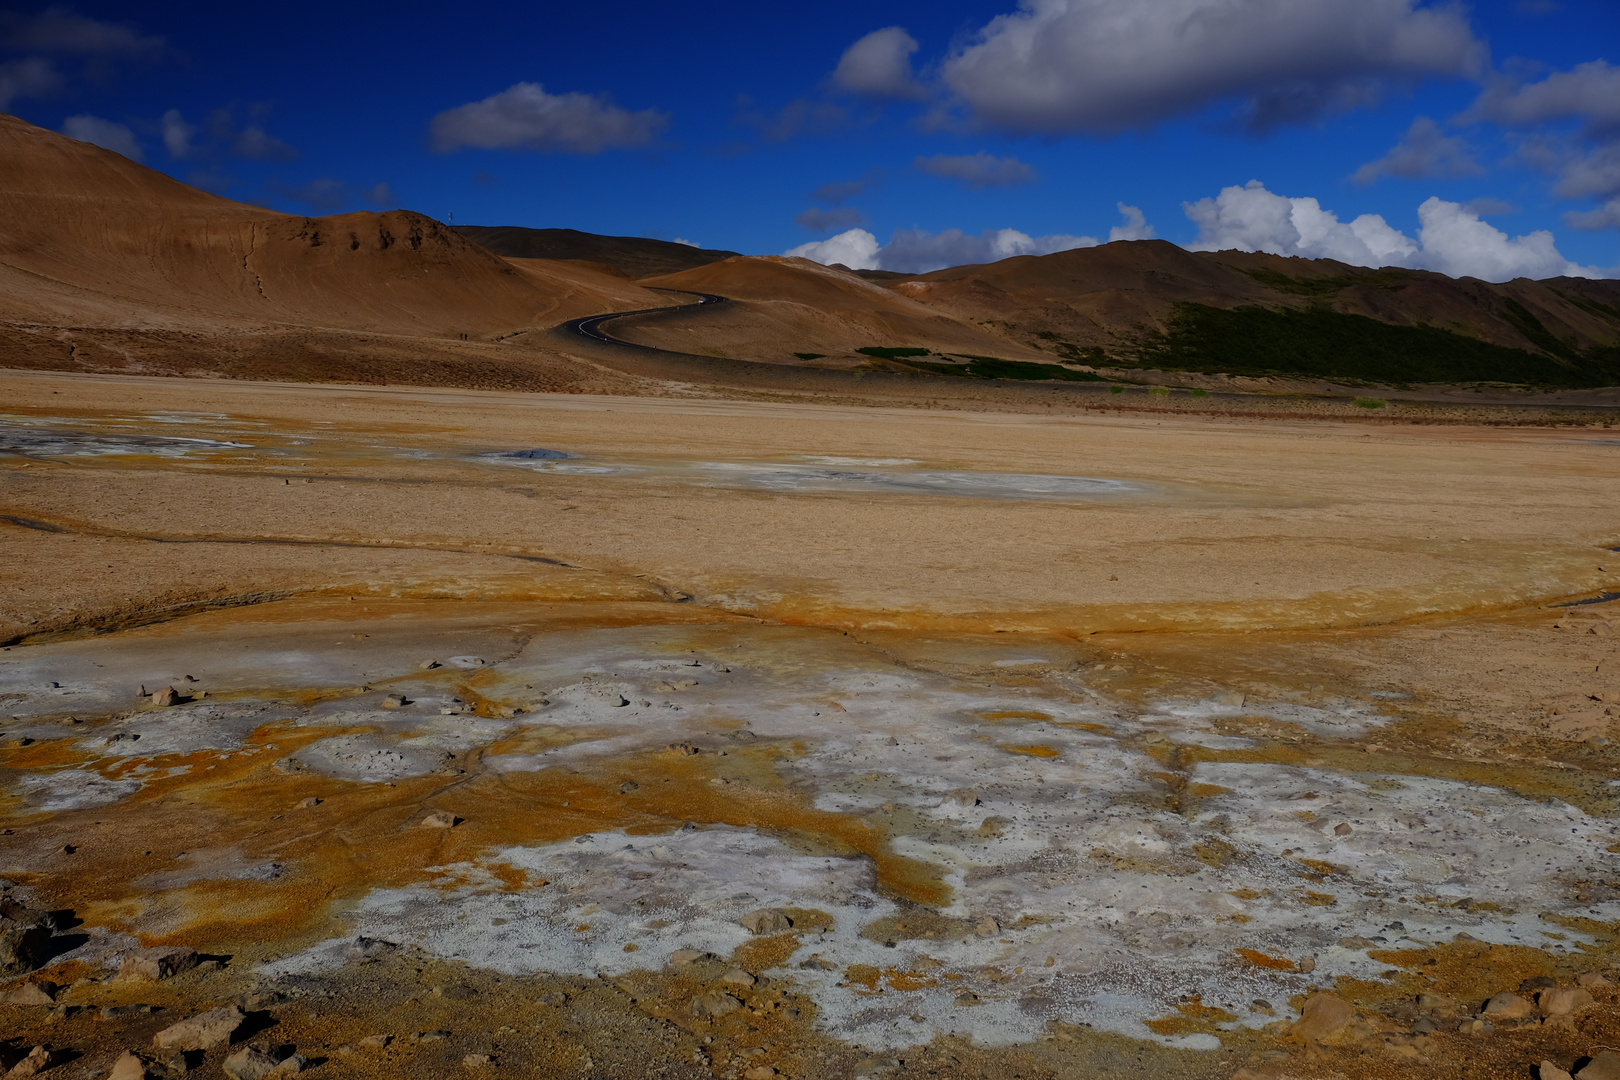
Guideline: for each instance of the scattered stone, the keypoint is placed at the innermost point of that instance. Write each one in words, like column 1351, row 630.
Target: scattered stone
column 555, row 997
column 131, row 1066
column 428, row 665
column 1537, row 982
column 255, row 1000
column 1549, row 1071
column 165, row 697
column 202, row 1032
column 1263, row 1007
column 394, row 701
column 25, row 937
column 365, row 948
column 1605, row 1065
column 967, row 998
column 310, row 803
column 431, row 1036
column 38, row 1060
column 1356, row 942
column 714, row 1003
column 290, row 1066
column 477, row 1061
column 441, row 820
column 454, row 991
column 1433, row 1002
column 816, row 963
column 766, row 921
column 966, row 798
column 684, row 749
column 1592, row 980
column 874, row 1065
column 1563, row 1000
column 759, row 1072
column 157, row 964
column 1154, row 738
column 1342, row 829
column 31, row 993
column 377, row 1041
column 737, row 977
column 1233, row 699
column 119, row 1012
column 250, row 1063
column 1323, row 1016
column 1507, row 1006
column 628, row 786
column 987, row 927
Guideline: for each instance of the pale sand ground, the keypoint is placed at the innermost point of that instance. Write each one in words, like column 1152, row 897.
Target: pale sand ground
column 1361, row 635
column 1239, row 525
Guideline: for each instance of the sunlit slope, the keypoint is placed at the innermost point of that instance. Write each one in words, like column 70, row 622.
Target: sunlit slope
column 1151, row 303
column 789, row 305
column 89, row 238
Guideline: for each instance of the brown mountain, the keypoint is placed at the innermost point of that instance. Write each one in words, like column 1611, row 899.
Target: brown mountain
column 782, row 306
column 1148, row 301
column 635, row 256
column 108, row 263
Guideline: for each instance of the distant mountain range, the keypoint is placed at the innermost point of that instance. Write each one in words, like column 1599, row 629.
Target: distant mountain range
column 108, row 265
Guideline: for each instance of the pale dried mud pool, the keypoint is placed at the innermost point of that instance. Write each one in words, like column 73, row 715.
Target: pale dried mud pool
column 755, row 740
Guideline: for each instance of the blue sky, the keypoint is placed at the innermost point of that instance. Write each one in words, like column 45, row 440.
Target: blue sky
column 883, row 127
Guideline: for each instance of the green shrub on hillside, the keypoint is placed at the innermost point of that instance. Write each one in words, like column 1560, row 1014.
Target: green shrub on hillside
column 884, row 352
column 1323, row 343
column 990, row 367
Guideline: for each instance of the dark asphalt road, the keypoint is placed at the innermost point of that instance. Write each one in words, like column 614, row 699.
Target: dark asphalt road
column 591, row 325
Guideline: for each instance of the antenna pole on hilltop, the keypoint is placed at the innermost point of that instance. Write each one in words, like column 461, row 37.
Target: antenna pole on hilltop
column 452, row 217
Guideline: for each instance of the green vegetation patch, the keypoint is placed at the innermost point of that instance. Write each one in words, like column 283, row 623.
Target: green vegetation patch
column 1373, row 279
column 882, row 352
column 1590, row 306
column 990, row 367
column 1370, row 403
column 1322, row 343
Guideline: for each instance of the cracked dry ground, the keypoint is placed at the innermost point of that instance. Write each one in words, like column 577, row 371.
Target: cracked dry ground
column 761, row 740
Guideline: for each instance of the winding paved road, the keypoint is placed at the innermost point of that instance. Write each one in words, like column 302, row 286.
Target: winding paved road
column 591, row 325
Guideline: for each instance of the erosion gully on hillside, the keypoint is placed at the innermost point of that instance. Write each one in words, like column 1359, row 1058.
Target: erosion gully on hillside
column 425, row 733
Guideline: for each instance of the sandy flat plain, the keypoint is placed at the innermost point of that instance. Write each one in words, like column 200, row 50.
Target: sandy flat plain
column 818, row 739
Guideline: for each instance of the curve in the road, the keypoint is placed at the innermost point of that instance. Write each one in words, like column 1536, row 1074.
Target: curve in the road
column 591, row 326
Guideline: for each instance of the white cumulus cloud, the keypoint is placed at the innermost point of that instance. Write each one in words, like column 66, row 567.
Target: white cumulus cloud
column 856, row 249
column 525, row 117
column 879, row 65
column 104, row 133
column 917, row 251
column 1134, row 228
column 977, row 171
column 1451, row 239
column 1059, row 66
